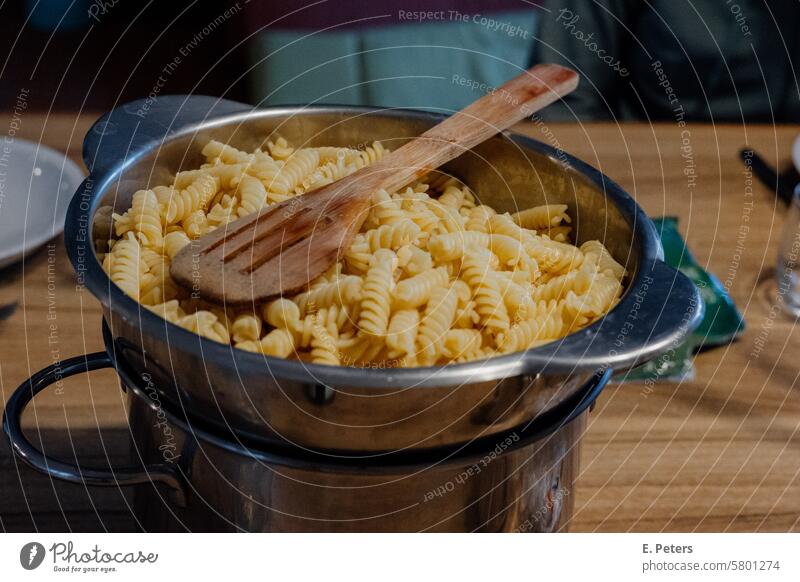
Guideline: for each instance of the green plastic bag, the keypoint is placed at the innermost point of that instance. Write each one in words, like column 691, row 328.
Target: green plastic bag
column 722, row 322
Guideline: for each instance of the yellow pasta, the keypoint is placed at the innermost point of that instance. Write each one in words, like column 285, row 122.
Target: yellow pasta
column 542, row 217
column 222, row 212
column 195, row 197
column 206, row 324
column 526, row 333
column 449, row 247
column 323, row 341
column 282, row 313
column 517, row 299
column 414, row 260
column 402, row 335
column 297, row 168
column 171, row 310
column 252, row 195
column 280, row 149
column 278, row 343
column 146, row 219
column 174, row 242
column 343, row 291
column 246, row 327
column 453, row 196
column 431, row 278
column 125, row 267
column 195, row 224
column 602, row 259
column 225, row 153
column 478, row 218
column 376, row 303
column 367, row 156
column 460, row 342
column 436, row 321
column 577, row 282
column 158, row 286
column 485, row 287
column 416, row 291
column 392, row 236
column 385, row 210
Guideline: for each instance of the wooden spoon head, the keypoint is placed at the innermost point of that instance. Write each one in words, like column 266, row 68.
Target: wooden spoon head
column 275, row 251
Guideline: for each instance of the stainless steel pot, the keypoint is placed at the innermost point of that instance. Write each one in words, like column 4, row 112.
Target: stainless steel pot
column 368, row 412
column 191, row 478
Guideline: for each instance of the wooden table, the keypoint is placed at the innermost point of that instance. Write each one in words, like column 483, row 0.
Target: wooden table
column 720, row 452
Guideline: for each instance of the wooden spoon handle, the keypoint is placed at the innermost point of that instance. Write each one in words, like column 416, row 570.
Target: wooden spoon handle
column 496, row 111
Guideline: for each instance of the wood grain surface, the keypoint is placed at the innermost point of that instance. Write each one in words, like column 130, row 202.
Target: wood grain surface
column 719, row 452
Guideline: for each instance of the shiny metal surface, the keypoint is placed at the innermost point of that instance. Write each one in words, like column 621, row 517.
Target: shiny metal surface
column 196, row 480
column 529, row 489
column 368, row 412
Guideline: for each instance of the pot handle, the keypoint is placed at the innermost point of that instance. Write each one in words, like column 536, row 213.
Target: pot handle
column 662, row 307
column 23, row 448
column 123, row 131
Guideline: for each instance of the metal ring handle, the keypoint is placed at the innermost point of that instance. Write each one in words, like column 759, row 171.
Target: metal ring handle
column 26, row 451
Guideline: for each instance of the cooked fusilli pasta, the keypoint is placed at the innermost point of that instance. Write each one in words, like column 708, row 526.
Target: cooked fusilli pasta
column 433, row 277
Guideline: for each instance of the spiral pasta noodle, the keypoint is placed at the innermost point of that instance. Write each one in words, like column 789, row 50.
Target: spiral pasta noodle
column 323, row 345
column 175, row 241
column 461, row 344
column 280, row 149
column 206, row 324
column 376, row 302
column 223, row 212
column 195, row 197
column 600, row 256
column 343, row 291
column 252, row 195
column 478, row 218
column 542, row 217
column 367, row 156
column 385, row 210
column 278, row 343
column 402, row 334
column 246, row 327
column 485, row 287
column 146, row 219
column 195, row 224
column 297, row 168
column 436, row 321
column 282, row 314
column 125, row 267
column 157, row 286
column 417, row 290
column 414, row 260
column 530, row 331
column 216, row 151
column 392, row 236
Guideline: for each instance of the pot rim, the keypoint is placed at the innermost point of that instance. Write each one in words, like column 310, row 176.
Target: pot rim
column 582, row 350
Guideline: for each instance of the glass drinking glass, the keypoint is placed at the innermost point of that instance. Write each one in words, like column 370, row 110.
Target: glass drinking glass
column 787, row 268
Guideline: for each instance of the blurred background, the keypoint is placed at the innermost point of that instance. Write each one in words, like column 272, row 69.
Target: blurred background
column 721, row 60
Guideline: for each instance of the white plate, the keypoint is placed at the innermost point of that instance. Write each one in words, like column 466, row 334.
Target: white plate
column 36, row 185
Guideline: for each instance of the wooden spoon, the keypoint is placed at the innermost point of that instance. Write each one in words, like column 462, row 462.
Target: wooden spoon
column 279, row 249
